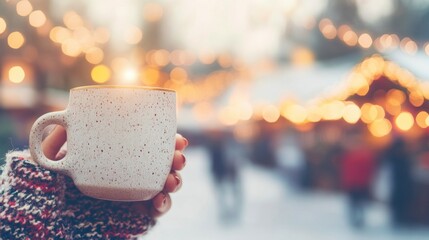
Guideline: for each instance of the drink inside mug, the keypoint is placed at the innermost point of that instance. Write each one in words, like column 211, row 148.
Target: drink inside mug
column 120, row 140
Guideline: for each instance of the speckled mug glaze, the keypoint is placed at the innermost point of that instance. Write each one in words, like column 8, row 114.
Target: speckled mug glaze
column 120, row 140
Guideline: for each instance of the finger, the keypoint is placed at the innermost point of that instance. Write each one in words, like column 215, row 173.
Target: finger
column 161, row 204
column 179, row 161
column 142, row 207
column 181, row 142
column 62, row 152
column 54, row 141
column 48, row 130
column 173, row 182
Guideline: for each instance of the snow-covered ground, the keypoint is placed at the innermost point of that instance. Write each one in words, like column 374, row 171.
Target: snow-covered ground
column 271, row 211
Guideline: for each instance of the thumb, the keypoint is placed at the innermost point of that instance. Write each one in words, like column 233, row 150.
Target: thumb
column 52, row 144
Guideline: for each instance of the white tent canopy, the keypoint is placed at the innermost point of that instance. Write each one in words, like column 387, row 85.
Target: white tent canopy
column 301, row 84
column 417, row 63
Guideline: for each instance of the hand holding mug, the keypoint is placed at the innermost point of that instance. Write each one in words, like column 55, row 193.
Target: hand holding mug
column 53, row 148
column 120, row 141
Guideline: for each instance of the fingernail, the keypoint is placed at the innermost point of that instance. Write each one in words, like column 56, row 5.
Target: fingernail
column 164, row 201
column 177, row 180
column 186, row 141
column 184, row 159
column 60, row 154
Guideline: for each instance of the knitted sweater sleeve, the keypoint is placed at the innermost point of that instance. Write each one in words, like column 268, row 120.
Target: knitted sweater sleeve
column 36, row 203
column 30, row 200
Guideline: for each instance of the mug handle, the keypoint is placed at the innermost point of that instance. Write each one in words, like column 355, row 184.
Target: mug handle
column 36, row 135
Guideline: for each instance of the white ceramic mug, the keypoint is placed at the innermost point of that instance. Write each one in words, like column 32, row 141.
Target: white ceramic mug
column 120, row 140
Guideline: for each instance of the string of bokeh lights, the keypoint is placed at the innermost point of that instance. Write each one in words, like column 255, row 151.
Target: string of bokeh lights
column 76, row 38
column 380, row 117
column 385, row 42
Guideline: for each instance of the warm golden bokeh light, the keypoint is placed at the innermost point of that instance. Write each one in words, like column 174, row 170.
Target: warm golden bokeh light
column 424, row 87
column 333, row 110
column 228, row 116
column 206, row 57
column 178, row 57
column 416, row 98
column 130, row 75
column 372, row 67
column 358, row 81
column 270, row 113
column 421, row 119
column 327, row 28
column 134, row 35
column 342, row 30
column 225, row 60
column 351, row 113
column 161, row 57
column 16, row 74
column 246, row 111
column 324, row 22
column 101, row 35
column 189, row 58
column 380, row 112
column 409, row 46
column 84, row 37
column 393, row 109
column 178, row 75
column 37, row 19
column 100, row 74
column 380, row 127
column 379, row 45
column 59, row 34
column 94, row 55
column 3, row 25
column 404, row 121
column 71, row 47
column 363, row 90
column 153, row 12
column 24, row 8
column 295, row 113
column 365, row 40
column 150, row 76
column 350, row 38
column 395, row 97
column 369, row 113
column 302, row 56
column 72, row 20
column 15, row 40
column 387, row 41
column 314, row 114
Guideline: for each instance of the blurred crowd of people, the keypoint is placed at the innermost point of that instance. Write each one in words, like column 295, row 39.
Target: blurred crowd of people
column 395, row 174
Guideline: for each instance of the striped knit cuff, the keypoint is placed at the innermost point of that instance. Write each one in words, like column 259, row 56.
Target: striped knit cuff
column 21, row 173
column 31, row 199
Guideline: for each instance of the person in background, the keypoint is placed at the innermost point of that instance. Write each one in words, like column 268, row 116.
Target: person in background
column 399, row 159
column 357, row 173
column 36, row 203
column 290, row 160
column 225, row 157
